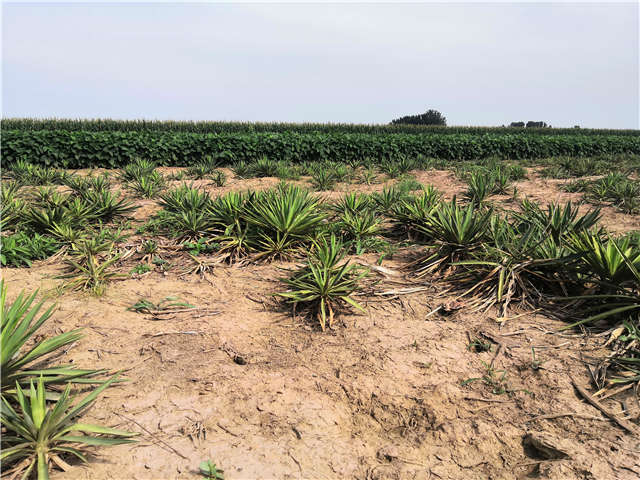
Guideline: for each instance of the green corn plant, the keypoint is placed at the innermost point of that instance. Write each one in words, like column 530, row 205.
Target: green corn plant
column 325, row 283
column 22, row 358
column 38, row 434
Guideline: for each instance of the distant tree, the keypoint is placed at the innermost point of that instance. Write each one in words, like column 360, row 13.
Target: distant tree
column 430, row 117
column 531, row 124
column 576, row 126
column 516, row 124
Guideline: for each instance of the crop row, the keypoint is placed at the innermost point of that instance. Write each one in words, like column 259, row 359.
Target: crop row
column 83, row 149
column 109, row 125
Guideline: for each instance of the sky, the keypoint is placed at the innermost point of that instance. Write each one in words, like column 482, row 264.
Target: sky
column 478, row 64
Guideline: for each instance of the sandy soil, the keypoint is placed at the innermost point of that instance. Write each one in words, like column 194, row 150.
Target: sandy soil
column 265, row 395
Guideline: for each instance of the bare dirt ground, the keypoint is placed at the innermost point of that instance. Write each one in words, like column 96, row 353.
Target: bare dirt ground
column 382, row 396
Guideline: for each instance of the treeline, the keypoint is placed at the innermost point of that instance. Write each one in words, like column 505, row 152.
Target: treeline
column 84, row 149
column 108, row 125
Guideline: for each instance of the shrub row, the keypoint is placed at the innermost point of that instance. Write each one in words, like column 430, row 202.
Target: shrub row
column 99, row 125
column 83, row 149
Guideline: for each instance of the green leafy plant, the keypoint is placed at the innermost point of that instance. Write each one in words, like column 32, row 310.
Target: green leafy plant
column 558, row 220
column 21, row 249
column 209, row 470
column 141, row 268
column 242, row 169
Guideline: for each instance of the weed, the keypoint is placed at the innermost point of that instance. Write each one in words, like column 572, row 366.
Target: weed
column 209, row 470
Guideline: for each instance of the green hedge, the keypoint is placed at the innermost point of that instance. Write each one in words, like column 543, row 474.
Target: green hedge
column 82, row 149
column 108, row 125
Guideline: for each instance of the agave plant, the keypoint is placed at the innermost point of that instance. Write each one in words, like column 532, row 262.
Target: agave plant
column 241, row 169
column 21, row 363
column 621, row 305
column 189, row 225
column 285, row 218
column 456, row 230
column 107, row 206
column 608, row 259
column 148, row 186
column 480, row 186
column 137, row 169
column 232, row 230
column 323, row 180
column 50, row 197
column 358, row 227
column 37, row 435
column 353, row 203
column 559, row 220
column 185, row 198
column 386, row 199
column 410, row 214
column 512, row 265
column 43, row 220
column 264, row 167
column 324, row 284
column 11, row 208
column 219, row 178
column 90, row 272
column 29, row 174
column 199, row 171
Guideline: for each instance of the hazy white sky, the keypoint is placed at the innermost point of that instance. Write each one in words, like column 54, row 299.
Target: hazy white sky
column 479, row 64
